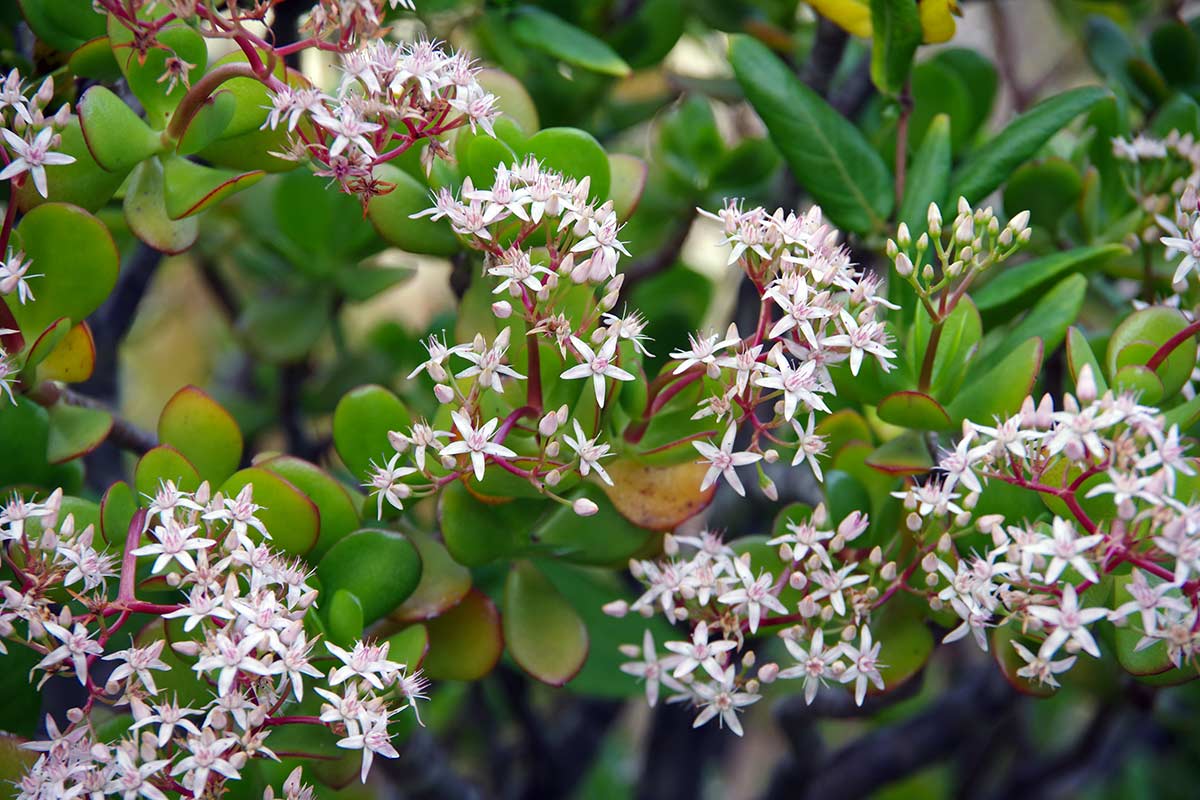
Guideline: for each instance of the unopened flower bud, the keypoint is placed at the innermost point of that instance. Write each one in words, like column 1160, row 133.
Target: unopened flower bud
column 630, row 651
column 797, row 580
column 876, row 556
column 1005, row 238
column 553, row 477
column 443, row 393
column 929, row 562
column 888, row 571
column 681, row 613
column 945, row 543
column 552, row 449
column 448, row 462
column 502, row 309
column 670, row 545
column 1021, row 220
column 933, row 218
column 771, row 455
column 913, row 522
column 45, row 92
column 768, row 672
column 931, row 580
column 1085, row 385
column 891, row 248
column 768, row 488
column 548, row 424
column 927, row 273
column 904, row 265
column 584, row 507
column 808, row 607
column 398, row 441
column 617, row 608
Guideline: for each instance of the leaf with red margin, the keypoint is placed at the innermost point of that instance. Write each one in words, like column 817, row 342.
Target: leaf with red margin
column 466, row 642
column 544, row 634
column 75, row 431
column 73, row 360
column 203, row 431
column 189, row 188
column 914, row 410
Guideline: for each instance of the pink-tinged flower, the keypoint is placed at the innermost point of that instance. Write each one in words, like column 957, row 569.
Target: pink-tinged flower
column 488, row 363
column 1066, row 549
column 652, row 669
column 348, row 127
column 1148, row 600
column 868, row 338
column 131, row 780
column 14, row 276
column 799, row 385
column 704, row 349
column 168, row 717
column 754, row 593
column 174, row 542
column 502, row 198
column 369, row 662
column 589, row 453
column 833, row 584
column 809, row 445
column 814, row 664
column 1070, row 622
column 228, row 658
column 699, row 652
column 438, row 353
column 76, row 646
column 597, row 365
column 477, row 442
column 1039, row 668
column 799, row 312
column 723, row 701
column 387, row 483
column 32, row 157
column 207, row 756
column 864, row 665
column 139, row 661
column 373, row 740
column 722, row 460
column 1186, row 244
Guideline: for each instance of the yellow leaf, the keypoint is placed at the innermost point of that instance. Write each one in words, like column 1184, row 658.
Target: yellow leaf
column 937, row 19
column 853, row 16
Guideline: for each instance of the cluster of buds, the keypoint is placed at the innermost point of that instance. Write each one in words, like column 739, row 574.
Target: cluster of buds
column 973, row 242
column 391, row 96
column 237, row 612
column 347, row 21
column 1160, row 173
column 723, row 598
column 816, row 312
column 30, row 137
column 1035, row 576
column 577, row 249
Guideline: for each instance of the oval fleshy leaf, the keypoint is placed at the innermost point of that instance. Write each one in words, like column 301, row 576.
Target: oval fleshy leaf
column 208, row 124
column 361, row 423
column 409, row 646
column 338, row 509
column 344, row 616
column 477, row 533
column 605, row 539
column 628, row 181
column 83, row 182
column 574, row 153
column 904, row 455
column 189, row 188
column 49, row 339
column 164, row 463
column 658, row 498
column 116, row 136
column 512, row 99
column 143, row 72
column 117, row 508
column 75, row 431
column 466, row 642
column 391, row 214
column 77, row 259
column 381, row 568
column 544, row 635
column 73, row 359
column 204, row 432
column 94, row 59
column 1154, row 326
column 914, row 410
column 289, row 516
column 444, row 582
column 146, row 211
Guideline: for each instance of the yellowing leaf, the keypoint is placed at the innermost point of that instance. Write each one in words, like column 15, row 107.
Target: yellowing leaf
column 937, row 19
column 853, row 16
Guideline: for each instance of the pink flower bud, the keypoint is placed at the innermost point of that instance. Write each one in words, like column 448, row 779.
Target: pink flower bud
column 502, row 309
column 584, row 507
column 617, row 608
column 443, row 393
column 853, row 526
column 1085, row 385
column 398, row 441
column 548, row 424
column 768, row 672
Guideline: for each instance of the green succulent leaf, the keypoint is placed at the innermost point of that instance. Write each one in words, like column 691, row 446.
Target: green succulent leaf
column 116, row 136
column 1000, row 391
column 896, row 26
column 205, row 433
column 544, row 634
column 361, row 423
column 541, row 30
column 465, row 642
column 381, row 568
column 286, row 512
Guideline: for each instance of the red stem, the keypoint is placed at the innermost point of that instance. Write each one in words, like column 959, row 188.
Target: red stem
column 1168, row 347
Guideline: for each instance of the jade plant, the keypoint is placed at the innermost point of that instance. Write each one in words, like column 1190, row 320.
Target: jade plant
column 807, row 380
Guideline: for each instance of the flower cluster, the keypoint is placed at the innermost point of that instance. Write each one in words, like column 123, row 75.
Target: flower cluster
column 391, row 96
column 348, row 21
column 554, row 292
column 1122, row 460
column 723, row 597
column 236, row 613
column 30, row 138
